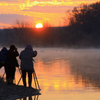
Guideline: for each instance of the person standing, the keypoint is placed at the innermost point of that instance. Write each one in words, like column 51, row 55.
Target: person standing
column 11, row 64
column 3, row 57
column 27, row 66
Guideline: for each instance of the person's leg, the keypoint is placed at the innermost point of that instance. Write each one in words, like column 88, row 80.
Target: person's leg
column 1, row 64
column 13, row 73
column 24, row 77
column 6, row 71
column 30, row 78
column 8, row 74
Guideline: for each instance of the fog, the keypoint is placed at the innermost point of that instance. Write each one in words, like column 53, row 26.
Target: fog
column 83, row 62
column 86, row 62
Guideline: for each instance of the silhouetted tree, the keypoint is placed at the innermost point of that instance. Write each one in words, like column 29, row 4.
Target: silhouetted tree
column 86, row 16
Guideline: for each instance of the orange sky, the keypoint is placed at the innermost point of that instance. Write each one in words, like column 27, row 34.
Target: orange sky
column 36, row 11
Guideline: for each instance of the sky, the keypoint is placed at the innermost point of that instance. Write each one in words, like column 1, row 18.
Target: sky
column 49, row 12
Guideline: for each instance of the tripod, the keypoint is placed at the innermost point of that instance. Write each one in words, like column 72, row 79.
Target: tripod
column 35, row 80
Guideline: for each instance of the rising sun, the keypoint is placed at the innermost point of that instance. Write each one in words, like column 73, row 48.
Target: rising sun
column 39, row 25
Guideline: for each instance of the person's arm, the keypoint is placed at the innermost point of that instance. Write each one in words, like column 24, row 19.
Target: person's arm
column 20, row 56
column 34, row 53
column 16, row 52
column 0, row 55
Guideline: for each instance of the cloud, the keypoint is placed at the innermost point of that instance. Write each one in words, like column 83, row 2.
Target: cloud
column 30, row 5
column 64, row 2
column 11, row 18
column 49, row 9
column 50, row 5
column 36, row 10
column 9, row 1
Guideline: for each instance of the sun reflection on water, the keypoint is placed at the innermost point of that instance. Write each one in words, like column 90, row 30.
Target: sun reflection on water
column 54, row 77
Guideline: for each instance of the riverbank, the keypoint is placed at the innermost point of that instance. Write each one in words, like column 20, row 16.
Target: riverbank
column 13, row 92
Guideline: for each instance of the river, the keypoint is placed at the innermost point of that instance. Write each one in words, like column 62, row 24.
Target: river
column 65, row 74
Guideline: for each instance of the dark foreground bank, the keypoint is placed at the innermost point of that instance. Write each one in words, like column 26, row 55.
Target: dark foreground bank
column 12, row 92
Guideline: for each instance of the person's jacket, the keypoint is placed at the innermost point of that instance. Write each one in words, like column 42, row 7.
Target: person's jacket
column 26, row 57
column 2, row 54
column 11, row 60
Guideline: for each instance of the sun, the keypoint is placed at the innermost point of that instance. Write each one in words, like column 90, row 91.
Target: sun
column 39, row 25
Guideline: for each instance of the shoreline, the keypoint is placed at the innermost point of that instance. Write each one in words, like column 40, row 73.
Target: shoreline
column 12, row 92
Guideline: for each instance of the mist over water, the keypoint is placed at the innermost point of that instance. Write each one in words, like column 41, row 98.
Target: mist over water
column 67, row 73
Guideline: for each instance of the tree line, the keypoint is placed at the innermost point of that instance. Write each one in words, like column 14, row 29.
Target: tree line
column 49, row 37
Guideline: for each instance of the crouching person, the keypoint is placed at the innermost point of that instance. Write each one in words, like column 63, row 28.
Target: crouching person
column 11, row 64
column 27, row 66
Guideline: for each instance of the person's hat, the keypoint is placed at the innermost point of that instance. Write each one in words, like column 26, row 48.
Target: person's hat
column 12, row 47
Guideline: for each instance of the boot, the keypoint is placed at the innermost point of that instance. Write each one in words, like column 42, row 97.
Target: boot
column 9, row 81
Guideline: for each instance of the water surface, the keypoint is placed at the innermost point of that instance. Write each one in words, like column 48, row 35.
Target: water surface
column 66, row 74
